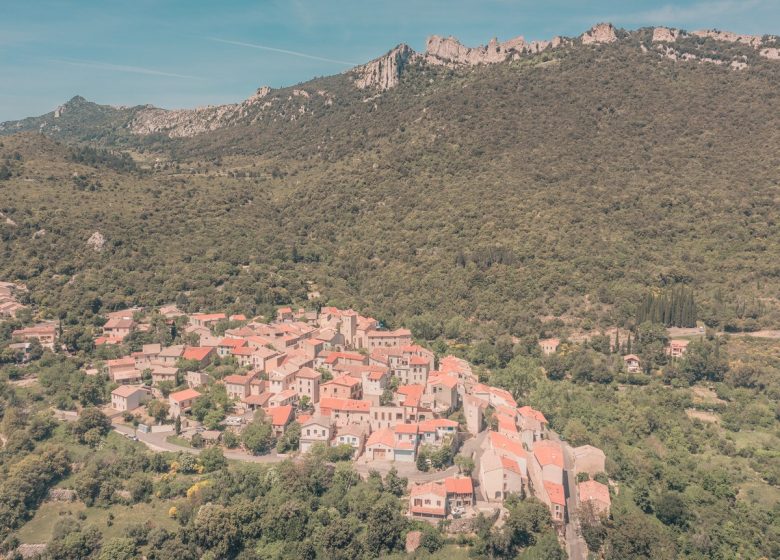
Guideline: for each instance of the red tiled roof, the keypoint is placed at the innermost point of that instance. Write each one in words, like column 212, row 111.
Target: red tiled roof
column 184, row 395
column 555, row 492
column 280, row 415
column 119, row 362
column 243, row 351
column 418, row 361
column 529, row 412
column 406, row 428
column 549, row 452
column 511, row 464
column 459, row 485
column 345, row 380
column 413, row 394
column 237, row 379
column 232, row 342
column 209, row 316
column 503, row 443
column 383, row 436
column 308, row 373
column 257, row 400
column 197, row 352
column 442, row 379
column 350, row 405
column 435, row 423
column 126, row 390
column 593, row 490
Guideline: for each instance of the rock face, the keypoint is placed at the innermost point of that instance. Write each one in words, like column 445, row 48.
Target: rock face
column 600, row 33
column 384, row 72
column 96, row 242
column 727, row 36
column 770, row 53
column 189, row 122
column 451, row 52
column 665, row 35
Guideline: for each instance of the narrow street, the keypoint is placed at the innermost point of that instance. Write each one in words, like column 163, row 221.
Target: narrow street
column 575, row 544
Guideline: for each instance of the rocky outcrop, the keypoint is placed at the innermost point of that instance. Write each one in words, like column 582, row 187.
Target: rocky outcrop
column 385, row 72
column 183, row 123
column 96, row 242
column 665, row 35
column 770, row 53
column 727, row 36
column 600, row 33
column 451, row 52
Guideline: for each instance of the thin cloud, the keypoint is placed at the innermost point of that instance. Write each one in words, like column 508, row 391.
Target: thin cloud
column 283, row 51
column 122, row 68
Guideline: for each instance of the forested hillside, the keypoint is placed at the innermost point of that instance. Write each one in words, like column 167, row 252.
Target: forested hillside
column 568, row 185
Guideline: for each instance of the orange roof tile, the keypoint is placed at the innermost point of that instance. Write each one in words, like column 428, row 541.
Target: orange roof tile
column 500, row 442
column 197, row 353
column 184, row 395
column 280, row 415
column 459, row 485
column 348, row 405
column 593, row 490
column 433, row 424
column 548, row 452
column 555, row 492
column 406, row 428
column 232, row 342
column 383, row 436
column 529, row 412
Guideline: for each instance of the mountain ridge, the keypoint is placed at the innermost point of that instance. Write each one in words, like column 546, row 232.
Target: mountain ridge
column 119, row 123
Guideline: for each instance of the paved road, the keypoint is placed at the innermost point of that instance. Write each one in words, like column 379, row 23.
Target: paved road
column 575, row 544
column 157, row 442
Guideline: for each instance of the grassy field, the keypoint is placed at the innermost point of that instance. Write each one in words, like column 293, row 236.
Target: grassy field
column 39, row 528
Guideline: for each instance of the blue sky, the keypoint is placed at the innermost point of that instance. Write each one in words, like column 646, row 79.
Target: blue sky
column 184, row 53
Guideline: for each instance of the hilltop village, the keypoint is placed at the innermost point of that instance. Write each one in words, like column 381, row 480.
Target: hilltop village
column 337, row 379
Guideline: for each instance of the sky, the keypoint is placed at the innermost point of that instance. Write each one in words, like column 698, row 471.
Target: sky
column 187, row 53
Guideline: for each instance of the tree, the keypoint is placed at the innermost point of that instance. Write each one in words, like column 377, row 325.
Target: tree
column 546, row 547
column 212, row 459
column 91, row 419
column 158, row 410
column 177, row 425
column 140, row 486
column 215, row 529
column 120, row 548
column 258, row 437
column 465, row 464
column 671, row 509
column 291, row 438
column 395, row 484
column 384, row 528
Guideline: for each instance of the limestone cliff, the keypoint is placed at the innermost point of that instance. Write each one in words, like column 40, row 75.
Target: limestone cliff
column 384, row 72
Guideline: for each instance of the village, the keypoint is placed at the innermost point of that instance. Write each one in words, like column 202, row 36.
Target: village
column 341, row 380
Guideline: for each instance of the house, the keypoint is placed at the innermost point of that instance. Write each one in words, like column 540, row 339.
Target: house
column 170, row 355
column 346, row 411
column 499, row 476
column 589, row 459
column 352, row 435
column 380, row 445
column 343, row 387
column 595, row 495
column 677, row 347
column 554, row 496
column 226, row 346
column 147, row 356
column 123, row 370
column 284, row 314
column 200, row 354
column 547, row 476
column 549, row 345
column 392, row 339
column 197, row 378
column 436, row 431
column 280, row 417
column 237, row 386
column 206, row 319
column 428, row 500
column 632, row 362
column 407, row 436
column 282, row 378
column 460, row 492
column 128, row 397
column 45, row 333
column 253, row 402
column 119, row 328
column 343, row 358
column 286, row 397
column 181, row 401
column 161, row 374
column 473, row 410
column 532, row 424
column 444, row 389
column 315, row 430
column 307, row 384
column 387, row 416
